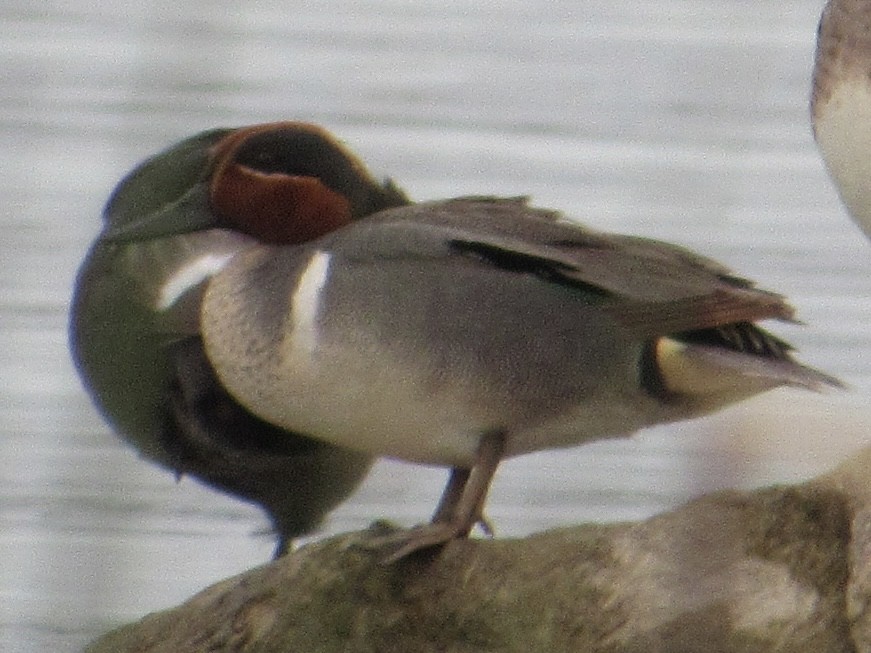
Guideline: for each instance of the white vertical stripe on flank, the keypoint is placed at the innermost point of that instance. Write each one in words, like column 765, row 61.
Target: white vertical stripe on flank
column 305, row 305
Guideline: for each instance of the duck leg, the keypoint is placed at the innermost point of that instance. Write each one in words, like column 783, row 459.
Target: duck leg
column 461, row 505
column 451, row 496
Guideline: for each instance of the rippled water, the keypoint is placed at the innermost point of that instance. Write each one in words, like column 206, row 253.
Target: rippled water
column 676, row 119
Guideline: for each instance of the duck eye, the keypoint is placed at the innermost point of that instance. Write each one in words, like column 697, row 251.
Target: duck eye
column 265, row 160
column 291, row 152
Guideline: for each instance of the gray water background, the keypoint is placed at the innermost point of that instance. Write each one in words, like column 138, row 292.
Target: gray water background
column 676, row 119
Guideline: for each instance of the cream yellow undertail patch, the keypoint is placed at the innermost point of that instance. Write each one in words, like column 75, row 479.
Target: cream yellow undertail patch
column 686, row 374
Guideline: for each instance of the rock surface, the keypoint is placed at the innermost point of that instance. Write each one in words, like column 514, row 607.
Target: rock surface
column 778, row 569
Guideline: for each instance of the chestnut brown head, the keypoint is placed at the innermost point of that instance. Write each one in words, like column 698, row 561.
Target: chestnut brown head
column 290, row 182
column 282, row 183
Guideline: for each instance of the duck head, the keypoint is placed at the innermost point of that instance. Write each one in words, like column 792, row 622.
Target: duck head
column 280, row 183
